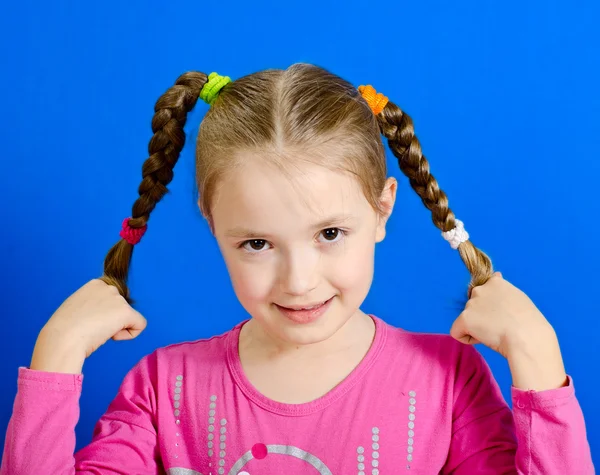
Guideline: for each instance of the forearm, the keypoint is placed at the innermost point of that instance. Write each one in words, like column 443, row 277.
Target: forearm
column 52, row 354
column 536, row 364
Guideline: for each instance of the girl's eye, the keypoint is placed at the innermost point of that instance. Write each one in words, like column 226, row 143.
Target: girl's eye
column 331, row 234
column 255, row 245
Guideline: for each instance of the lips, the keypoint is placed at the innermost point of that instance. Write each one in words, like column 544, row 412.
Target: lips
column 305, row 314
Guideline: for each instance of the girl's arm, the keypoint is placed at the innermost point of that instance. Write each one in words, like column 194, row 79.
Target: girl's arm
column 544, row 434
column 41, row 432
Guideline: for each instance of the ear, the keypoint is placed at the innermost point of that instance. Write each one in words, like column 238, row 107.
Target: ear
column 386, row 202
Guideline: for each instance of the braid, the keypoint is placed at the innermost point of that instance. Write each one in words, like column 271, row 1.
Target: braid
column 398, row 128
column 164, row 148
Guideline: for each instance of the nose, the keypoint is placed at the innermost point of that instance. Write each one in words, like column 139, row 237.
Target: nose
column 299, row 274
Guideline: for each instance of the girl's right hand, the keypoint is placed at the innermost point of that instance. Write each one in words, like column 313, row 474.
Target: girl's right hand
column 85, row 321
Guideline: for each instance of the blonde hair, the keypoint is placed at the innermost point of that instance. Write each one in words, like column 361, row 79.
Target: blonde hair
column 276, row 113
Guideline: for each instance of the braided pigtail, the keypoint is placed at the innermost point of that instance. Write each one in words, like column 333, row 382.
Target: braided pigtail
column 398, row 128
column 164, row 148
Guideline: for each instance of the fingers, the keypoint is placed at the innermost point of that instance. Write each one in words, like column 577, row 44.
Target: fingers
column 126, row 334
column 464, row 338
column 122, row 335
column 133, row 325
column 479, row 289
column 459, row 332
column 468, row 340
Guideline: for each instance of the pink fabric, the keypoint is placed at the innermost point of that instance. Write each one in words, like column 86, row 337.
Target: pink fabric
column 417, row 403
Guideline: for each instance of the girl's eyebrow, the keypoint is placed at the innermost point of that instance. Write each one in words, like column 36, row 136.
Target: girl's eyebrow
column 332, row 221
column 239, row 232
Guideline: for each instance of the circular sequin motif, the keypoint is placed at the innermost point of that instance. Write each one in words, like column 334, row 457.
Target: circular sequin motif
column 260, row 451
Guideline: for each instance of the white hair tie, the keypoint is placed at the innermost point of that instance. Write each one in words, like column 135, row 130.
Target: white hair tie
column 456, row 236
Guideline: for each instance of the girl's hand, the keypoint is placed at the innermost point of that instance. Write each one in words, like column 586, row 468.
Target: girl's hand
column 503, row 318
column 85, row 321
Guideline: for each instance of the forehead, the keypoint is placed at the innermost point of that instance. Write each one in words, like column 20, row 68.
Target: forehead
column 260, row 194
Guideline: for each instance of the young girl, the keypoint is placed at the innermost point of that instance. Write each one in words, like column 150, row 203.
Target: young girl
column 292, row 179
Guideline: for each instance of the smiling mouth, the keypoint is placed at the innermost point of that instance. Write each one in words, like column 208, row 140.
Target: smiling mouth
column 305, row 314
column 309, row 307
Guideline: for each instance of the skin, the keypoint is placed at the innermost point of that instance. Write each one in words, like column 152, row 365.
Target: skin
column 297, row 242
column 281, row 247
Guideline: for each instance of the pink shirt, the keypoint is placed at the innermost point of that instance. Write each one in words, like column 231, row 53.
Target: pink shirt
column 417, row 403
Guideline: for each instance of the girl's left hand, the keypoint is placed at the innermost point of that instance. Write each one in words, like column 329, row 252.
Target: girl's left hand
column 505, row 319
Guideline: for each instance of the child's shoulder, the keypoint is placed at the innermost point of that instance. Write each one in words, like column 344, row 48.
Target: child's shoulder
column 399, row 335
column 195, row 353
column 428, row 348
column 202, row 363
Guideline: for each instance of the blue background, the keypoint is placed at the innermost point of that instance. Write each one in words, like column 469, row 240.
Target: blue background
column 505, row 100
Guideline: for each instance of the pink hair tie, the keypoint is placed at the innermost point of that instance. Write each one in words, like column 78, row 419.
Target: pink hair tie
column 132, row 235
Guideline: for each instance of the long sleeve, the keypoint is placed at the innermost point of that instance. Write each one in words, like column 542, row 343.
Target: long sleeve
column 551, row 432
column 41, row 433
column 544, row 434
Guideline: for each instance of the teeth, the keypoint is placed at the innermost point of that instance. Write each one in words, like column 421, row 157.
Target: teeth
column 314, row 306
column 297, row 309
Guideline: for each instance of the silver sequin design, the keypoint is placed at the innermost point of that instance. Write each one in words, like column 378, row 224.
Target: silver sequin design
column 411, row 426
column 177, row 409
column 217, row 437
column 363, row 464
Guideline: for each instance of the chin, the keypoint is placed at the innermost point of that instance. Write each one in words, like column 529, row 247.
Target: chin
column 307, row 333
column 306, row 336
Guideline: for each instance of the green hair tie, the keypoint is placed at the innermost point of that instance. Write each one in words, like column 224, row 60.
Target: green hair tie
column 212, row 88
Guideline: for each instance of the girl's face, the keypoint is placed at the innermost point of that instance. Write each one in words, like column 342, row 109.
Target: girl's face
column 295, row 242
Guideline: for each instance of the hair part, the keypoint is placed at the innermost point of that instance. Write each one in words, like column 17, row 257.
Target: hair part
column 274, row 113
column 304, row 111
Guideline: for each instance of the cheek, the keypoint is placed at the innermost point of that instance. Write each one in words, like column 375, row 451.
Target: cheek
column 353, row 271
column 252, row 281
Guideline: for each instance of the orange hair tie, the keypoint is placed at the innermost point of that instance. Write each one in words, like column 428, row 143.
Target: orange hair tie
column 376, row 101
